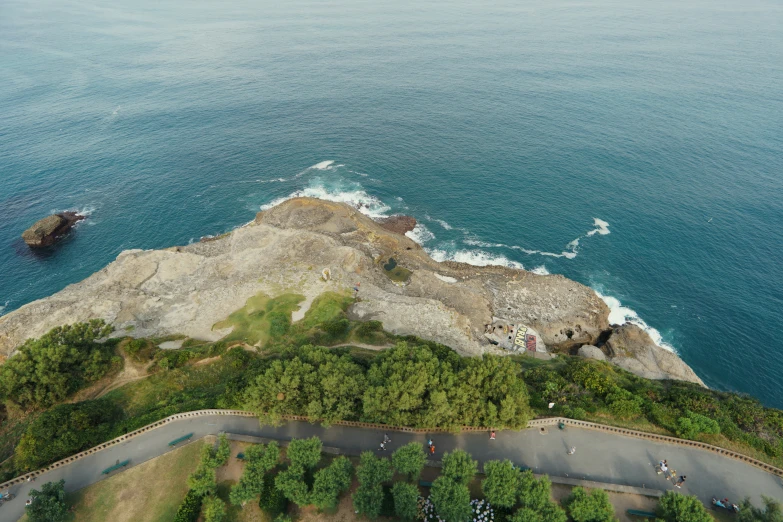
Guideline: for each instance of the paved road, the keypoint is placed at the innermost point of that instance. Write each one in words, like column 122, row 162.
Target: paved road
column 603, row 457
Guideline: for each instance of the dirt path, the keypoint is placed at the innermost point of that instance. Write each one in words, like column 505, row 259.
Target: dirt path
column 365, row 346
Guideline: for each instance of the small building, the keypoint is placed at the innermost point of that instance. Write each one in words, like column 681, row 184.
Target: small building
column 514, row 337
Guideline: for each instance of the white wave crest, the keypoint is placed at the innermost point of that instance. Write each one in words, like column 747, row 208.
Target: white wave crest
column 473, row 257
column 324, row 165
column 619, row 314
column 602, row 227
column 420, row 234
column 540, row 270
column 357, row 198
column 440, row 222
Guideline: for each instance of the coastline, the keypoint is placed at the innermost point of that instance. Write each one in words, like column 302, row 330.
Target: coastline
column 186, row 290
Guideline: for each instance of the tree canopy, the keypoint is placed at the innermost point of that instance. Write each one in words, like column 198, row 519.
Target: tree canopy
column 406, row 497
column 771, row 512
column 590, row 507
column 410, row 459
column 48, row 370
column 48, row 504
column 676, row 507
column 305, row 452
column 451, row 499
column 372, row 472
column 459, row 466
column 501, row 483
column 330, row 482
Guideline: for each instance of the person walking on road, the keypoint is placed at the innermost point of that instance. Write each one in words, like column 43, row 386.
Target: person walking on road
column 383, row 446
column 432, row 449
column 572, row 450
column 429, row 443
column 386, row 439
column 681, row 481
column 492, row 435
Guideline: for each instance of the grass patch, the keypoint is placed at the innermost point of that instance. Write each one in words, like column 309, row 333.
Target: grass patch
column 261, row 318
column 150, row 491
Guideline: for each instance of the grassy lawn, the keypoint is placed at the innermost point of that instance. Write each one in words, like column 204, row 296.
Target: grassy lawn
column 151, row 491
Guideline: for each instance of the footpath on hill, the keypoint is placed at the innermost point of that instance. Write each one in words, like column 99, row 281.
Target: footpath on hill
column 599, row 456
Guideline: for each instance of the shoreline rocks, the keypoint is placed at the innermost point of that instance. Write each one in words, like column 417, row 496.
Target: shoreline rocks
column 49, row 230
column 398, row 224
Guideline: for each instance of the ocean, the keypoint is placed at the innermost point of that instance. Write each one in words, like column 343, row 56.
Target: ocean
column 636, row 147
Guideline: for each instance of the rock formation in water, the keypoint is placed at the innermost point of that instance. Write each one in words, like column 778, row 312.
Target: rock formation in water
column 186, row 290
column 48, row 230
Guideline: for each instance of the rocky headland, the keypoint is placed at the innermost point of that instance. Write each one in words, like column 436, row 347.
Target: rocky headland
column 186, row 290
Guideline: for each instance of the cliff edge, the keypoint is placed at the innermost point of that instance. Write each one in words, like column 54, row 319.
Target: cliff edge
column 186, row 290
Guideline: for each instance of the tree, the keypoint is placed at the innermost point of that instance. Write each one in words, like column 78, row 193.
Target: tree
column 48, row 505
column 46, row 371
column 406, row 498
column 223, row 451
column 214, row 509
column 203, row 481
column 64, row 430
column 459, row 466
column 410, row 459
column 372, row 473
column 304, row 453
column 451, row 499
column 330, row 482
column 291, row 483
column 590, row 507
column 551, row 512
column 259, row 459
column 772, row 511
column 676, row 507
column 502, row 482
column 534, row 493
column 273, row 501
column 190, row 508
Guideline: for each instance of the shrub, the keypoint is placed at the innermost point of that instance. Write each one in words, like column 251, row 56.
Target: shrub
column 459, row 466
column 410, row 459
column 214, row 509
column 693, row 424
column 372, row 473
column 190, row 508
column 330, row 482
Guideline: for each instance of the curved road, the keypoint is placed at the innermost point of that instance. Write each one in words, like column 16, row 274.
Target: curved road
column 602, row 457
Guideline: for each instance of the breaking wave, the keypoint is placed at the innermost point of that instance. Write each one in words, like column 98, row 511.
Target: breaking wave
column 473, row 257
column 619, row 314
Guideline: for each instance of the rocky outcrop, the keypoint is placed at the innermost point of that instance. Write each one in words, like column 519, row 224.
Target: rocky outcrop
column 186, row 290
column 48, row 230
column 631, row 348
column 398, row 224
column 591, row 352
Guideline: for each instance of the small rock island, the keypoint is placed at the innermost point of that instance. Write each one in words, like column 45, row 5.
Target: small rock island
column 48, row 230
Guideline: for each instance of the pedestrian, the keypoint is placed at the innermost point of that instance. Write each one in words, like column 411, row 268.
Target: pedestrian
column 429, row 443
column 29, row 502
column 432, row 449
column 386, row 438
column 492, row 435
column 664, row 467
column 383, row 446
column 572, row 450
column 681, row 481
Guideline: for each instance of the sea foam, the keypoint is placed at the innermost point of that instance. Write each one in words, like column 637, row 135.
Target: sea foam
column 473, row 257
column 619, row 314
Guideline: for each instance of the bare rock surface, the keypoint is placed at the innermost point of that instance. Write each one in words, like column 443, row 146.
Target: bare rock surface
column 592, row 352
column 398, row 224
column 186, row 290
column 631, row 348
column 48, row 230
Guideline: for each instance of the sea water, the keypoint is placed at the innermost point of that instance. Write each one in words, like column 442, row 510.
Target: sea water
column 634, row 146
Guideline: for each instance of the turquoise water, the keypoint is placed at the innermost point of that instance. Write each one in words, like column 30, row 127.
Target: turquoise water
column 507, row 130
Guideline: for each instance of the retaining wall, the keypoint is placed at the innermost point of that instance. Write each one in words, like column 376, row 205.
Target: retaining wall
column 537, row 423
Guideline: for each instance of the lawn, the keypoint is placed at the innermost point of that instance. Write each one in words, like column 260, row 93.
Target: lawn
column 151, row 491
column 261, row 318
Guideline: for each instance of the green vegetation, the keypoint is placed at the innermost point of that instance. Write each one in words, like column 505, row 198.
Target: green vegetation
column 593, row 506
column 502, row 482
column 190, row 508
column 450, row 494
column 406, row 498
column 48, row 370
column 600, row 392
column 213, row 509
column 330, row 482
column 409, row 460
column 48, row 504
column 395, row 272
column 372, row 472
column 259, row 460
column 772, row 511
column 64, row 430
column 261, row 318
column 676, row 507
column 404, row 386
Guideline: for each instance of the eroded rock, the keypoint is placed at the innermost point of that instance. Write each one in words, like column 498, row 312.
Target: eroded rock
column 48, row 230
